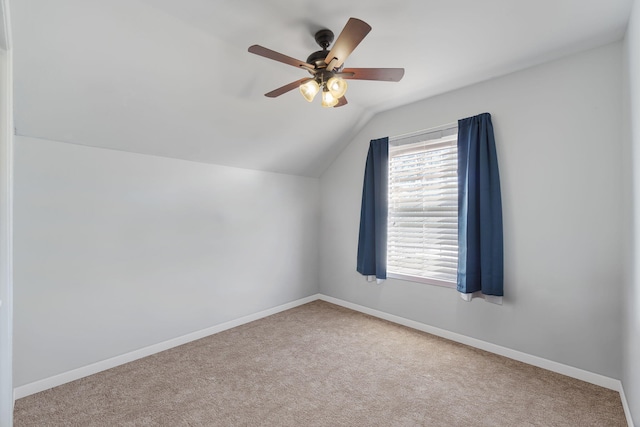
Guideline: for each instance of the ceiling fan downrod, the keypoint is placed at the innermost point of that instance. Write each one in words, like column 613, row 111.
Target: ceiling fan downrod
column 324, row 38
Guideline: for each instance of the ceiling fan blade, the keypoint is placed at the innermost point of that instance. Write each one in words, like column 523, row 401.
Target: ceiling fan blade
column 350, row 37
column 276, row 56
column 384, row 74
column 342, row 101
column 286, row 88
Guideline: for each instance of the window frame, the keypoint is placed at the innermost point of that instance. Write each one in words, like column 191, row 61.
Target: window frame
column 434, row 136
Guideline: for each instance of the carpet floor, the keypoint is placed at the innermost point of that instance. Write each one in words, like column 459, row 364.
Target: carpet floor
column 323, row 365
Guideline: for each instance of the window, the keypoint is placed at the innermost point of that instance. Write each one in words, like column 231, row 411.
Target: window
column 422, row 234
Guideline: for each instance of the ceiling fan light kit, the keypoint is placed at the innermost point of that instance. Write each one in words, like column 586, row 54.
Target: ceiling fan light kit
column 337, row 86
column 309, row 89
column 328, row 100
column 326, row 66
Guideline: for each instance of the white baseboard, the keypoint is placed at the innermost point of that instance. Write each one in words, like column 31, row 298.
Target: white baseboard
column 625, row 406
column 570, row 371
column 94, row 368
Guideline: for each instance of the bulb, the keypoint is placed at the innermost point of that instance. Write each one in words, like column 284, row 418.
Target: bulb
column 337, row 87
column 309, row 89
column 328, row 100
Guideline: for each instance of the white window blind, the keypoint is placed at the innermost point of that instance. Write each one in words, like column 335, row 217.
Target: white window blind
column 422, row 236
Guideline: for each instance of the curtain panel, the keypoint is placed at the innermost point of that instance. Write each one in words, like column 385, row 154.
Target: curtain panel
column 372, row 240
column 480, row 240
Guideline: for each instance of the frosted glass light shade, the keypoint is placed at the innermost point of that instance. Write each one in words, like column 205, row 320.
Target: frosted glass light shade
column 309, row 90
column 328, row 100
column 337, row 87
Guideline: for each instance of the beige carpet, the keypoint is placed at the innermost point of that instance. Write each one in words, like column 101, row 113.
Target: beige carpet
column 323, row 365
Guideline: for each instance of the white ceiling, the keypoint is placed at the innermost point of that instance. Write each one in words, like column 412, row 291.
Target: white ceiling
column 174, row 78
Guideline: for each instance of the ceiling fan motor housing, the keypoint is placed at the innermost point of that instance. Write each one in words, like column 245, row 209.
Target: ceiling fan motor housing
column 317, row 58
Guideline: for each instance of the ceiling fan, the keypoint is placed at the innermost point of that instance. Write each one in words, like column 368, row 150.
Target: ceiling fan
column 326, row 66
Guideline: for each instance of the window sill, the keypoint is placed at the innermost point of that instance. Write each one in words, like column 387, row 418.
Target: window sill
column 425, row 280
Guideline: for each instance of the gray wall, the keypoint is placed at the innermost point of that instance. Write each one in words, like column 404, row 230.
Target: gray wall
column 6, row 225
column 631, row 351
column 559, row 139
column 117, row 251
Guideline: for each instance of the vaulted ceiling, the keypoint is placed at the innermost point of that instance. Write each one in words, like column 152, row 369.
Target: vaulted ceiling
column 174, row 78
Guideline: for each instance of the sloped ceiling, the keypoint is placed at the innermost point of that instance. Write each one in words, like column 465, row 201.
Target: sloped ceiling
column 174, row 78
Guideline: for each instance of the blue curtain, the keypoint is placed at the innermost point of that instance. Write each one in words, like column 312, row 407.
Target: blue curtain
column 372, row 241
column 480, row 251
